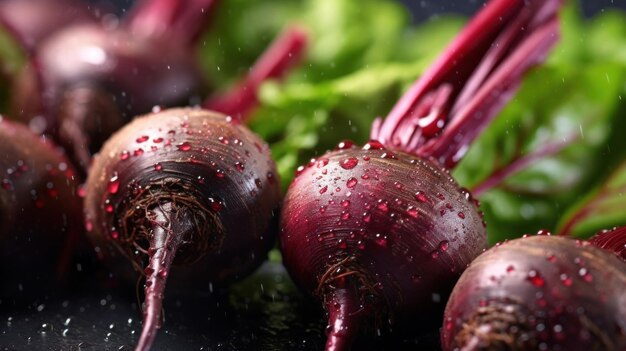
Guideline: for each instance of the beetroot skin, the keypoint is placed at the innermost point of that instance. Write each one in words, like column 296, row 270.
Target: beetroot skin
column 539, row 293
column 187, row 188
column 39, row 212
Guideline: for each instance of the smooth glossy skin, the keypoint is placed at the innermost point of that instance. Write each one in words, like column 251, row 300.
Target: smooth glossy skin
column 40, row 212
column 202, row 160
column 539, row 293
column 401, row 222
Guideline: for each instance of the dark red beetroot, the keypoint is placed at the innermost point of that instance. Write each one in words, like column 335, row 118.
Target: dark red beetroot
column 183, row 187
column 87, row 80
column 384, row 230
column 539, row 293
column 40, row 212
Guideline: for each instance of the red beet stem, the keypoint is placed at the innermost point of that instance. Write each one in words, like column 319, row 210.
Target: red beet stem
column 284, row 53
column 170, row 226
column 343, row 320
column 182, row 20
column 612, row 240
column 448, row 107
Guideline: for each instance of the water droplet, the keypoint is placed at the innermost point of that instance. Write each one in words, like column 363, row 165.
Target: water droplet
column 345, row 203
column 367, row 217
column 157, row 140
column 345, row 215
column 138, row 152
column 373, row 145
column 444, row 245
column 114, row 184
column 351, row 183
column 421, row 197
column 434, row 254
column 461, row 215
column 142, row 139
column 382, row 205
column 124, row 155
column 566, row 280
column 510, row 269
column 380, row 240
column 551, row 258
column 220, row 173
column 158, row 167
column 215, row 204
column 412, row 211
column 544, row 232
column 162, row 274
column 184, row 146
column 536, row 279
column 324, row 189
column 349, row 163
column 346, row 144
column 223, row 140
column 240, row 166
column 584, row 273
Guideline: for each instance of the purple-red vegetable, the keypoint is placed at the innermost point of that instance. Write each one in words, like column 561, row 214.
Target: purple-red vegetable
column 184, row 192
column 539, row 293
column 87, row 80
column 384, row 230
column 40, row 212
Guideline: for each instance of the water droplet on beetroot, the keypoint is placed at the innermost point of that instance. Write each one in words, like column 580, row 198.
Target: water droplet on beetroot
column 349, row 163
column 162, row 274
column 158, row 167
column 434, row 254
column 115, row 235
column 373, row 145
column 114, row 184
column 108, row 208
column 551, row 258
column 88, row 226
column 421, row 197
column 346, row 144
column 142, row 139
column 215, row 204
column 584, row 273
column 138, row 152
column 444, row 245
column 367, row 217
column 536, row 279
column 322, row 208
column 360, row 245
column 544, row 232
column 345, row 203
column 240, row 166
column 351, row 183
column 220, row 173
column 157, row 140
column 412, row 211
column 324, row 189
column 184, row 146
column 124, row 155
column 382, row 205
column 345, row 215
column 510, row 269
column 566, row 280
column 380, row 240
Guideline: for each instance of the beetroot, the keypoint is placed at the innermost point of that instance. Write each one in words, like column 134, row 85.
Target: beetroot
column 39, row 208
column 383, row 230
column 87, row 80
column 182, row 187
column 539, row 293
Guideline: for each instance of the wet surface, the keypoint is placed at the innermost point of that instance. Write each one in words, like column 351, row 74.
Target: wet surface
column 263, row 312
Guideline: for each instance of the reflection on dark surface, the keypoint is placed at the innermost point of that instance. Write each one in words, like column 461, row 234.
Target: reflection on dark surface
column 263, row 312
